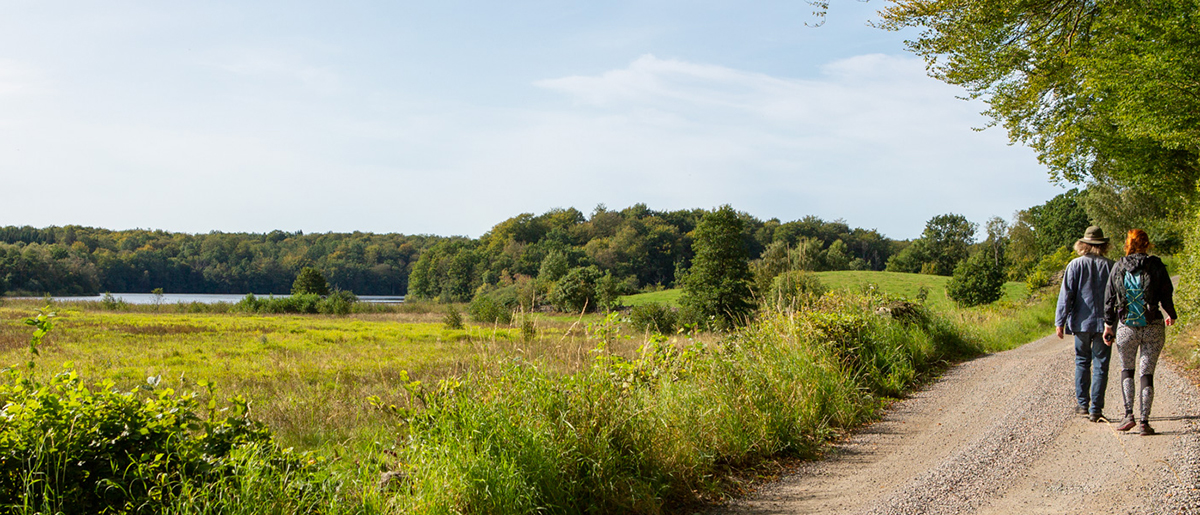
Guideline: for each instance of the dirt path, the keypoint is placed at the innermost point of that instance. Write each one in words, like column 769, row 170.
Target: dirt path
column 999, row 435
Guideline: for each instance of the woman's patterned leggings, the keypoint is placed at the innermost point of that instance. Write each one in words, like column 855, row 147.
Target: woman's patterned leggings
column 1148, row 342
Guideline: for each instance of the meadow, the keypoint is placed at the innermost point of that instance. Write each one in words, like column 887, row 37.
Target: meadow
column 581, row 415
column 906, row 285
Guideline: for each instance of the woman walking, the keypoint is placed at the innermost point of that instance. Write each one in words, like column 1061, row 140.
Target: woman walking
column 1137, row 286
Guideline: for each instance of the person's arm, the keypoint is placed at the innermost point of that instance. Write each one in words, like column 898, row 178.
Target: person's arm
column 1066, row 302
column 1111, row 292
column 1166, row 293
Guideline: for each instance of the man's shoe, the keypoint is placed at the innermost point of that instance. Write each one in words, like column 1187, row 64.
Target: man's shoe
column 1081, row 410
column 1126, row 424
column 1095, row 417
column 1145, row 429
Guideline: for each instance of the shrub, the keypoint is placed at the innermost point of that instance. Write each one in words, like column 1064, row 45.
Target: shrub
column 653, row 317
column 489, row 309
column 794, row 289
column 340, row 302
column 73, row 449
column 452, row 319
column 576, row 290
column 1048, row 271
column 110, row 303
column 976, row 281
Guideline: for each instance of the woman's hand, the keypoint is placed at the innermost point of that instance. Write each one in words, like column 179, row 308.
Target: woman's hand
column 1169, row 321
column 1110, row 334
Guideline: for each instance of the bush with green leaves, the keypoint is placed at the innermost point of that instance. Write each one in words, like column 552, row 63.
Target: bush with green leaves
column 576, row 290
column 653, row 317
column 793, row 289
column 70, row 448
column 452, row 319
column 1048, row 269
column 340, row 302
column 493, row 306
column 978, row 280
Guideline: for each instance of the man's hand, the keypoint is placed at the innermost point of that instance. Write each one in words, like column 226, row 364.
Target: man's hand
column 1059, row 332
column 1169, row 321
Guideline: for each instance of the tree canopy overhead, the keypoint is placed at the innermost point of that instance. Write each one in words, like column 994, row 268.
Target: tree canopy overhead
column 1102, row 91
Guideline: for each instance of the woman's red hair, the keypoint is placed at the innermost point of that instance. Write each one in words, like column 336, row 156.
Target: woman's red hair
column 1136, row 242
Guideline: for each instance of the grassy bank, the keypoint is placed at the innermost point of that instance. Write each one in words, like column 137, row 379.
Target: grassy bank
column 906, row 285
column 581, row 417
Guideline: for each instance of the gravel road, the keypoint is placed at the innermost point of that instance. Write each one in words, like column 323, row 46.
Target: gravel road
column 999, row 435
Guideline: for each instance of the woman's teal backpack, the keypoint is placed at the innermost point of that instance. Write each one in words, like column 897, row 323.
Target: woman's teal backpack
column 1136, row 282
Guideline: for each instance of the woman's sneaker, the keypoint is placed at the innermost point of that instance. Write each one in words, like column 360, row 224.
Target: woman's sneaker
column 1145, row 429
column 1126, row 424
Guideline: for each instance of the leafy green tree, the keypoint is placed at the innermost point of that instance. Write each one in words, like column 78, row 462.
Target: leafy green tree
column 976, row 281
column 946, row 240
column 1100, row 90
column 717, row 286
column 310, row 281
column 553, row 267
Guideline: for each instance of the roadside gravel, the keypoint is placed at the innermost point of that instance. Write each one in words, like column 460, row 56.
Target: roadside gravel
column 999, row 435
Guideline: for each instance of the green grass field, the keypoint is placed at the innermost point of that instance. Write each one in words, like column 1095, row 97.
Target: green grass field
column 583, row 413
column 895, row 283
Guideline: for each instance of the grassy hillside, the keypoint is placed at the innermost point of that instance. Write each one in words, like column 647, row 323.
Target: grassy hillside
column 890, row 282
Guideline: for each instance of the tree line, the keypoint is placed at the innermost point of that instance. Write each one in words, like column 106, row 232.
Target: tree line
column 638, row 246
column 86, row 260
column 560, row 258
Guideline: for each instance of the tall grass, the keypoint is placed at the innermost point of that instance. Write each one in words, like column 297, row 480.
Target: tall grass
column 613, row 427
column 661, row 429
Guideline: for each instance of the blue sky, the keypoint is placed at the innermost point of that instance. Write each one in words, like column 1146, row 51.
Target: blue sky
column 448, row 117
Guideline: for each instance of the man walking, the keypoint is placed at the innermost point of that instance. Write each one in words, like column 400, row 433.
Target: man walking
column 1080, row 312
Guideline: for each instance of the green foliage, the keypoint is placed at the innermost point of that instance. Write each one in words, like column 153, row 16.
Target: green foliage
column 977, row 280
column 69, row 448
column 652, row 432
column 310, row 281
column 946, row 239
column 716, row 289
column 1187, row 296
column 1049, row 269
column 493, row 307
column 452, row 320
column 1118, row 209
column 653, row 317
column 576, row 291
column 792, row 290
column 909, row 259
column 553, row 267
column 1101, row 92
column 339, row 302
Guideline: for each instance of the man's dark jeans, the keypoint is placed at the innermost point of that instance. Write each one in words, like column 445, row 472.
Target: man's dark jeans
column 1091, row 370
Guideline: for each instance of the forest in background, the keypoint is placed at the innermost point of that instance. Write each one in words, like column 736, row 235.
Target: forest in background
column 633, row 249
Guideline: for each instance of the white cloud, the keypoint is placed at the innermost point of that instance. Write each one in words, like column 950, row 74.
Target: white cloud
column 871, row 139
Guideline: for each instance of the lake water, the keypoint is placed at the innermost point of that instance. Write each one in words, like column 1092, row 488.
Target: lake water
column 208, row 298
